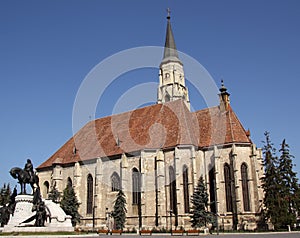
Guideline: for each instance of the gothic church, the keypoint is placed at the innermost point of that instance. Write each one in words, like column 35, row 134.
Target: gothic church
column 156, row 154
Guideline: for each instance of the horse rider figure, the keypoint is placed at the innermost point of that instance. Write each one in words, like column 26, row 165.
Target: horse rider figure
column 29, row 169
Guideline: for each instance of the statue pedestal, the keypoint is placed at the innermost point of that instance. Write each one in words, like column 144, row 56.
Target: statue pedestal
column 59, row 220
column 22, row 213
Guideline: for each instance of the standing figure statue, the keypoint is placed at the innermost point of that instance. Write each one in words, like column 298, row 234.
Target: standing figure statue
column 8, row 209
column 12, row 198
column 41, row 214
column 4, row 215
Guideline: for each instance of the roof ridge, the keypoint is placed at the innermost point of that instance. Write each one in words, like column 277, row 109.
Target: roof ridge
column 230, row 124
column 238, row 121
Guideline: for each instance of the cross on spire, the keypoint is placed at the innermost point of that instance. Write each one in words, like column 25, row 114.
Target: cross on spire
column 169, row 12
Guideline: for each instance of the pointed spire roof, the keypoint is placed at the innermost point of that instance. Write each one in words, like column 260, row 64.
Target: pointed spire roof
column 170, row 52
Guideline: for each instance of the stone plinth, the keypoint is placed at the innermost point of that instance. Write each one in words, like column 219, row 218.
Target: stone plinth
column 22, row 213
column 57, row 218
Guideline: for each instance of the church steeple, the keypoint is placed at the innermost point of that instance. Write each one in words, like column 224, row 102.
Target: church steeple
column 170, row 52
column 171, row 78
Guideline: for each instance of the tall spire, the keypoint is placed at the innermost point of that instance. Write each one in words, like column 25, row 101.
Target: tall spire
column 170, row 52
column 171, row 75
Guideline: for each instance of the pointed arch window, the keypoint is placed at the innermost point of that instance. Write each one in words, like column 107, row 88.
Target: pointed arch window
column 136, row 186
column 90, row 196
column 186, row 189
column 245, row 186
column 212, row 190
column 167, row 98
column 115, row 182
column 228, row 192
column 173, row 198
column 46, row 189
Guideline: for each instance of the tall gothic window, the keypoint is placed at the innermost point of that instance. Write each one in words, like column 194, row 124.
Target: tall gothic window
column 186, row 189
column 136, row 186
column 115, row 182
column 227, row 175
column 245, row 187
column 212, row 190
column 173, row 197
column 89, row 199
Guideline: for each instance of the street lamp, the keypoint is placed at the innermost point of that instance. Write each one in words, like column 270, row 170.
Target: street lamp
column 94, row 208
column 107, row 213
column 216, row 209
column 171, row 212
column 223, row 220
column 217, row 222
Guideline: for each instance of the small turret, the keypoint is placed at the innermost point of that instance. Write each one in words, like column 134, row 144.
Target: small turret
column 224, row 97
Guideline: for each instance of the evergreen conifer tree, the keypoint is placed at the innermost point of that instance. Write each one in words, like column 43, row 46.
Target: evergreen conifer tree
column 200, row 214
column 288, row 188
column 271, row 183
column 69, row 203
column 119, row 212
column 54, row 195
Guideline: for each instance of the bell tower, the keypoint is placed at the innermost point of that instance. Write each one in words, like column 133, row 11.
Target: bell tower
column 171, row 75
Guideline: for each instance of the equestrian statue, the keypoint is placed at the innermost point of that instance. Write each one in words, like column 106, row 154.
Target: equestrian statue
column 25, row 176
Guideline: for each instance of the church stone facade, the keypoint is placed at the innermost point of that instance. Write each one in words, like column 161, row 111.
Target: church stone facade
column 156, row 154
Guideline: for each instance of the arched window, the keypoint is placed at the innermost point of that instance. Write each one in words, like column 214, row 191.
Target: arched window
column 46, row 189
column 173, row 194
column 212, row 190
column 46, row 186
column 90, row 196
column 115, row 182
column 136, row 186
column 167, row 98
column 69, row 182
column 173, row 197
column 228, row 192
column 245, row 187
column 186, row 189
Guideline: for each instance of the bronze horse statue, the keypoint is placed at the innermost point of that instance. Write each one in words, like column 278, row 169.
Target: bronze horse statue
column 24, row 178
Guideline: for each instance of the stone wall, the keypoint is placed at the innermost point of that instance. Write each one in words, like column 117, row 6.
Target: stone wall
column 153, row 166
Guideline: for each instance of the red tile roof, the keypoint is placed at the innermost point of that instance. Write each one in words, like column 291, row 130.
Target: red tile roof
column 157, row 126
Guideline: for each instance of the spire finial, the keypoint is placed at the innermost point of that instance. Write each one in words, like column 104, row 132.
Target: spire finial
column 223, row 88
column 169, row 13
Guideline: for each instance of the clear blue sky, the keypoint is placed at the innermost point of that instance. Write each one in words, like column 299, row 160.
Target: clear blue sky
column 48, row 47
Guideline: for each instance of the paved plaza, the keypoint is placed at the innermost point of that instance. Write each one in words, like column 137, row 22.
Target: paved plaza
column 227, row 235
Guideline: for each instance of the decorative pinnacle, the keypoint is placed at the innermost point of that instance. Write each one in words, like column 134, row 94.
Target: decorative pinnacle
column 223, row 88
column 169, row 12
